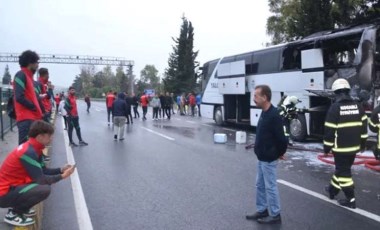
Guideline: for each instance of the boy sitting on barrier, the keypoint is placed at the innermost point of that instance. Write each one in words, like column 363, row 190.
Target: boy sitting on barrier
column 24, row 179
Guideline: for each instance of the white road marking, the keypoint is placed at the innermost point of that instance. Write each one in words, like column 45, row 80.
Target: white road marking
column 208, row 125
column 159, row 134
column 84, row 220
column 192, row 122
column 229, row 129
column 324, row 198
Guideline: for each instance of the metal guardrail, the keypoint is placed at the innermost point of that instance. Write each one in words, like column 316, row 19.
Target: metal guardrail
column 6, row 123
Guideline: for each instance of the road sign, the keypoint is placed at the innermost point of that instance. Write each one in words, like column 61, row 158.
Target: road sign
column 149, row 92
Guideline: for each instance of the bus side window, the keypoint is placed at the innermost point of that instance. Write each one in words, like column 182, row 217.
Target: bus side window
column 291, row 59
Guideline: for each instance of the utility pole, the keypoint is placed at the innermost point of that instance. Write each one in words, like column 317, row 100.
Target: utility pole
column 131, row 77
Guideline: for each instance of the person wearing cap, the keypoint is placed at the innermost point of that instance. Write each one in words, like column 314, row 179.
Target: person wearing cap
column 345, row 135
column 374, row 124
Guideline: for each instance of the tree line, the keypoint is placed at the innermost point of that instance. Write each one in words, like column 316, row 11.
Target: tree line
column 296, row 19
column 179, row 77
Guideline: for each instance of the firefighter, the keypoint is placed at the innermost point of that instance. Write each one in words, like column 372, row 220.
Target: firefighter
column 345, row 135
column 374, row 126
column 288, row 111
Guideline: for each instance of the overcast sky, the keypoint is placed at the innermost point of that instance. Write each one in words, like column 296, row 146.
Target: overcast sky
column 137, row 30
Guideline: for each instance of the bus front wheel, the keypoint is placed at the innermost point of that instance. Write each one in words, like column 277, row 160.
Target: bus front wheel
column 218, row 116
column 298, row 130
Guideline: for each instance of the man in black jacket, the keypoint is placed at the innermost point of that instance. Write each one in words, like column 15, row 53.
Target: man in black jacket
column 119, row 113
column 135, row 104
column 129, row 102
column 270, row 145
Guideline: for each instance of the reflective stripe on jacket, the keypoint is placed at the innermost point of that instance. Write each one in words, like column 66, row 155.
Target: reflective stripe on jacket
column 345, row 127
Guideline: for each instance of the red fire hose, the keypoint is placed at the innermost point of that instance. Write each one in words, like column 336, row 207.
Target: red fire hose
column 329, row 159
column 368, row 161
column 373, row 164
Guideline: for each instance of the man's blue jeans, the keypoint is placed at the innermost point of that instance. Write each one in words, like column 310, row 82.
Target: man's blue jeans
column 267, row 196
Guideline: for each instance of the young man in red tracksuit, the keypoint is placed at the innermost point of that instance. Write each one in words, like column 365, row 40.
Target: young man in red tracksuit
column 110, row 98
column 144, row 100
column 26, row 100
column 24, row 179
column 57, row 100
column 73, row 118
column 192, row 103
column 43, row 94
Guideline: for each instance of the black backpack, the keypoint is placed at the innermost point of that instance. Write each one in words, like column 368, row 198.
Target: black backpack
column 11, row 107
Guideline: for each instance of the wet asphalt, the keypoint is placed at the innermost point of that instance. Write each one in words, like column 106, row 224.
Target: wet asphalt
column 171, row 175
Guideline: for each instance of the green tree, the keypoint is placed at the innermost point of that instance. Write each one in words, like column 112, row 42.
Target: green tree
column 180, row 75
column 99, row 80
column 149, row 76
column 110, row 77
column 7, row 78
column 295, row 19
column 77, row 84
column 122, row 80
column 86, row 75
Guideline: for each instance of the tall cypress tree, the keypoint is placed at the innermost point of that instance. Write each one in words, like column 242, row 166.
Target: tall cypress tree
column 7, row 76
column 180, row 74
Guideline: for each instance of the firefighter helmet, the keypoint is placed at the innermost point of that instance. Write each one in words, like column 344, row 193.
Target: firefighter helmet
column 340, row 84
column 291, row 100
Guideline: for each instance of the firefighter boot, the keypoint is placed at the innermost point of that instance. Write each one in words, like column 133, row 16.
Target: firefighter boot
column 330, row 191
column 350, row 203
column 350, row 197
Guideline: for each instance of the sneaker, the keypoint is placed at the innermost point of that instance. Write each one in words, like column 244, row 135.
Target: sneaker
column 17, row 220
column 73, row 144
column 348, row 203
column 257, row 215
column 115, row 137
column 108, row 124
column 31, row 212
column 121, row 139
column 46, row 158
column 82, row 143
column 270, row 220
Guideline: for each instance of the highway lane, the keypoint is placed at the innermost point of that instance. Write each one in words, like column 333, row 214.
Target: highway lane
column 170, row 175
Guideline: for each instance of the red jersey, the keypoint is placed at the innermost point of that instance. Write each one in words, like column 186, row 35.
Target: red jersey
column 25, row 165
column 12, row 172
column 144, row 100
column 57, row 99
column 71, row 106
column 110, row 99
column 192, row 100
column 46, row 100
column 26, row 101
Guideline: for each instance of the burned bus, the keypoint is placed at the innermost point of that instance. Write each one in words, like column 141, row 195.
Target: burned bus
column 305, row 68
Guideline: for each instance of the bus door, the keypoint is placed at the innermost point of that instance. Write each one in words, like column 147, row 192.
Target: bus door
column 231, row 84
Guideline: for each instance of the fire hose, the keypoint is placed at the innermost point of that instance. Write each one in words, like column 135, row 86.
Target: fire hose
column 368, row 161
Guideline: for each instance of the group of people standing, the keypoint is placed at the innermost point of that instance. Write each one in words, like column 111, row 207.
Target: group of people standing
column 24, row 178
